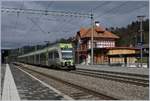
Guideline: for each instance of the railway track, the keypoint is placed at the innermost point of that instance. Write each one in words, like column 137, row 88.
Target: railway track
column 140, row 80
column 77, row 91
column 136, row 79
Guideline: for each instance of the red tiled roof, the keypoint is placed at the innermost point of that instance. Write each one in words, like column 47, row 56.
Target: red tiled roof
column 98, row 32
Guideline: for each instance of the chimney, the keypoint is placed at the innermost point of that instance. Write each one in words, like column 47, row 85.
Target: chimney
column 97, row 23
column 98, row 28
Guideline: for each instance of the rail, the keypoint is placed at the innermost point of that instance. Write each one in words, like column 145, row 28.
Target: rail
column 84, row 89
column 140, row 80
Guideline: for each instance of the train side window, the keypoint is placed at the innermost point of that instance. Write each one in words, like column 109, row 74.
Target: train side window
column 42, row 56
column 37, row 57
column 50, row 55
column 56, row 55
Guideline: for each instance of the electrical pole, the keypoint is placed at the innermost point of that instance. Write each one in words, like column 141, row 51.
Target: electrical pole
column 92, row 33
column 141, row 40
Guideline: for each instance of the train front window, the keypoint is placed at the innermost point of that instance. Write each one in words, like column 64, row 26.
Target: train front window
column 67, row 55
column 66, row 49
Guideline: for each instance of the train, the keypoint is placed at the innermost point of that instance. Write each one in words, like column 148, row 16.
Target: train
column 58, row 56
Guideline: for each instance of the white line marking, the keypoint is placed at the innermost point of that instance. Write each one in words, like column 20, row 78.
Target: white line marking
column 10, row 90
column 45, row 84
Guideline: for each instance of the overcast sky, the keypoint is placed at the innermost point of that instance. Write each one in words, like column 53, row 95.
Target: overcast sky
column 30, row 29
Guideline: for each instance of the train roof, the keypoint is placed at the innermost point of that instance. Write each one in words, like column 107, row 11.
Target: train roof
column 39, row 51
column 49, row 48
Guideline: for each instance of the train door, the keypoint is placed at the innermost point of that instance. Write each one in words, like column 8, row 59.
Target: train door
column 50, row 58
column 56, row 57
column 60, row 54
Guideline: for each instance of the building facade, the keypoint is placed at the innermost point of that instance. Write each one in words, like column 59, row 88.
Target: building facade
column 124, row 56
column 102, row 40
column 104, row 47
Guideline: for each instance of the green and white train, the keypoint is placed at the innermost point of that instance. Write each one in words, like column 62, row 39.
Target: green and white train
column 58, row 56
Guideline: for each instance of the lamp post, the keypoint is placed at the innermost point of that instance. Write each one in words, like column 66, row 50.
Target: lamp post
column 141, row 34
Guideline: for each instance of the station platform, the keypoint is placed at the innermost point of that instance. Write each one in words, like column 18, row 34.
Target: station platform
column 19, row 85
column 130, row 70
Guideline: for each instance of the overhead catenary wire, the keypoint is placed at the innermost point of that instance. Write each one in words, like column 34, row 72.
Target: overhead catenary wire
column 16, row 10
column 21, row 7
column 105, row 3
column 132, row 10
column 137, row 8
column 40, row 28
column 77, row 24
column 34, row 23
column 112, row 9
column 97, row 7
column 74, row 14
column 101, row 5
column 46, row 12
column 89, row 10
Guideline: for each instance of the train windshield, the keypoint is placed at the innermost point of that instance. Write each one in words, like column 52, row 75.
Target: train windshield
column 67, row 54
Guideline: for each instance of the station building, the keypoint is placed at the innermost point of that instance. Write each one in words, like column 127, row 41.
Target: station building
column 122, row 55
column 104, row 47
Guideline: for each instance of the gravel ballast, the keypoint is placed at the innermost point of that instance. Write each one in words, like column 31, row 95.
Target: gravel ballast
column 119, row 90
column 130, row 70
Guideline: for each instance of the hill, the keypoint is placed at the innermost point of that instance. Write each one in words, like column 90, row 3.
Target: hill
column 130, row 34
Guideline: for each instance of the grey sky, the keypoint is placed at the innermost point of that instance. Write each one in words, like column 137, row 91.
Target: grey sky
column 32, row 29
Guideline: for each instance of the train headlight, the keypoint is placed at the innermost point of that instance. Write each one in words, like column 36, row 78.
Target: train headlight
column 69, row 63
column 65, row 63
